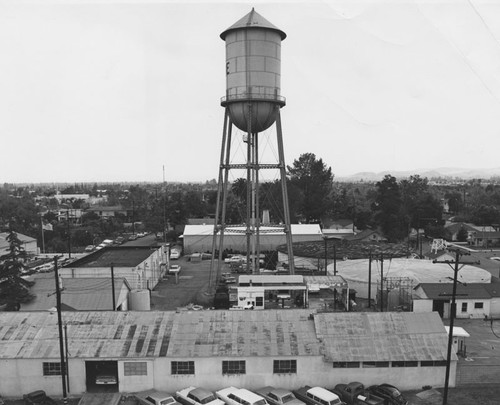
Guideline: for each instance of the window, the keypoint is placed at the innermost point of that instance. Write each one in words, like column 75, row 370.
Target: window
column 433, row 363
column 405, row 364
column 51, row 368
column 285, row 367
column 233, row 367
column 464, row 307
column 346, row 364
column 371, row 364
column 478, row 305
column 259, row 301
column 182, row 367
column 135, row 368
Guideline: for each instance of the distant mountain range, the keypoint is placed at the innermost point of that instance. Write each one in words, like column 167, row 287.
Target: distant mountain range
column 443, row 172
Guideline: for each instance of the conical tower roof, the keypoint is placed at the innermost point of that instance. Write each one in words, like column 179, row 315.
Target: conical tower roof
column 253, row 20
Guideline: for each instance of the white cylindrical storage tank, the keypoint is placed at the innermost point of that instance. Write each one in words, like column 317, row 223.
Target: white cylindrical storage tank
column 253, row 72
column 139, row 300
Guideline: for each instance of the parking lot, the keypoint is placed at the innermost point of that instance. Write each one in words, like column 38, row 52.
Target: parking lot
column 185, row 289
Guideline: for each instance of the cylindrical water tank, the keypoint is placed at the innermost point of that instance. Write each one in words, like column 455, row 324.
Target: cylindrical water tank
column 253, row 72
column 139, row 300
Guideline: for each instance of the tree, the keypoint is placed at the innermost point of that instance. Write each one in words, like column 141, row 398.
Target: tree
column 315, row 181
column 387, row 207
column 462, row 235
column 14, row 289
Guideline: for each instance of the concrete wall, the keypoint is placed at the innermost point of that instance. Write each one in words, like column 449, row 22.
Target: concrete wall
column 495, row 307
column 145, row 275
column 21, row 376
column 422, row 305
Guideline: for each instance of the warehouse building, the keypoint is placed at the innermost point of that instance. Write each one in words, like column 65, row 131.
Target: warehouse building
column 198, row 238
column 216, row 349
column 142, row 266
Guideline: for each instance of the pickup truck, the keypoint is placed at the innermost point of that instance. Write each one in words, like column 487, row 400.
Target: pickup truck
column 317, row 396
column 38, row 397
column 153, row 397
column 197, row 396
column 278, row 396
column 354, row 393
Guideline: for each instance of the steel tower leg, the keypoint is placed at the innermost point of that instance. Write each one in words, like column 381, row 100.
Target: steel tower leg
column 284, row 192
column 214, row 270
column 256, row 251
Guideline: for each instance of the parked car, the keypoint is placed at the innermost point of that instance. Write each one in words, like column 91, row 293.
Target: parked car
column 105, row 379
column 238, row 396
column 89, row 248
column 174, row 269
column 38, row 397
column 197, row 396
column 119, row 240
column 354, row 393
column 153, row 397
column 175, row 254
column 317, row 396
column 278, row 396
column 235, row 259
column 390, row 393
column 132, row 237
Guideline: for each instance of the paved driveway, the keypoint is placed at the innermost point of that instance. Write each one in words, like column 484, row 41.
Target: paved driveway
column 189, row 288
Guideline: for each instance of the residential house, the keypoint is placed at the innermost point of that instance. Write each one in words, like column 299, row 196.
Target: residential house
column 473, row 300
column 29, row 244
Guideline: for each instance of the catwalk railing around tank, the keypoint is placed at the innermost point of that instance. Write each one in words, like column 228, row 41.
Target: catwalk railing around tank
column 246, row 96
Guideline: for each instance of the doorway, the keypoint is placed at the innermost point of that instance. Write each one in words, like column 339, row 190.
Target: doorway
column 102, row 376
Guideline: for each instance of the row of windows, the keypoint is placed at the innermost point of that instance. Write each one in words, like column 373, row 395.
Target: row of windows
column 477, row 305
column 374, row 364
column 235, row 367
column 239, row 366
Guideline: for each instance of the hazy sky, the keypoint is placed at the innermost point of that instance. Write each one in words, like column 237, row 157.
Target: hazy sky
column 117, row 90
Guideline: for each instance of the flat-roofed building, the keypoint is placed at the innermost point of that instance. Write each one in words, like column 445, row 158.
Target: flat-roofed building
column 215, row 349
column 141, row 266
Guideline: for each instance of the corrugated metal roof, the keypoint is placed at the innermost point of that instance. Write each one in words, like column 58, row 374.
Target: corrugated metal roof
column 297, row 229
column 390, row 336
column 118, row 256
column 191, row 334
column 82, row 294
column 90, row 334
column 252, row 20
column 244, row 333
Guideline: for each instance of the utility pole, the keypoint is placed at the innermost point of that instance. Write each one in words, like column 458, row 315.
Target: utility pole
column 113, row 285
column 381, row 282
column 60, row 328
column 69, row 232
column 370, row 279
column 455, row 266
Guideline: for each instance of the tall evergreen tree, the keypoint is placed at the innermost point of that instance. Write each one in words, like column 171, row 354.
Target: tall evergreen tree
column 14, row 289
column 315, row 180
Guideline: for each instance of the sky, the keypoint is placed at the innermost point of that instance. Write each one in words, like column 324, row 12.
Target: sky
column 129, row 91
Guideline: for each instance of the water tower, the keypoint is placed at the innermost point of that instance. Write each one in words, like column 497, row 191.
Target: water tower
column 252, row 104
